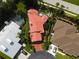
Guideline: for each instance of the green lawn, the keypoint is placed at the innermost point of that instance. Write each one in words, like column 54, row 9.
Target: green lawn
column 59, row 56
column 76, row 2
column 4, row 56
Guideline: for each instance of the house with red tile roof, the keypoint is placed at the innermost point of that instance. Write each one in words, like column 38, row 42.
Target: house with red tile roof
column 36, row 23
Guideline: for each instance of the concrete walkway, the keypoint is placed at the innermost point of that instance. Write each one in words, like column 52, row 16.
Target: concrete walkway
column 68, row 6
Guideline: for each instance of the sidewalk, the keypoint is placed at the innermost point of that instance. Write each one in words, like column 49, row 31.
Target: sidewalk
column 60, row 53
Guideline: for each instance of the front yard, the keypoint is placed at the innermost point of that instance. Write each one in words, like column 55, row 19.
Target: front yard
column 59, row 56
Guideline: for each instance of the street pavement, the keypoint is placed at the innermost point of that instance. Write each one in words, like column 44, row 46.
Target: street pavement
column 68, row 6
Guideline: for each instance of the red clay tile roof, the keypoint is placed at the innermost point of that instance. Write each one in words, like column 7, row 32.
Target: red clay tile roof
column 36, row 24
column 35, row 21
column 35, row 37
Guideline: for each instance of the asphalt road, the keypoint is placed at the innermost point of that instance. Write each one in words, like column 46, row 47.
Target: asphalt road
column 68, row 6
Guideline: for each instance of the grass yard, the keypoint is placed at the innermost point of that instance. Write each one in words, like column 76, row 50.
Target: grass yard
column 59, row 56
column 4, row 56
column 76, row 2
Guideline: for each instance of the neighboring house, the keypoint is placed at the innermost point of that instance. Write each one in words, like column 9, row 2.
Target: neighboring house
column 9, row 40
column 66, row 38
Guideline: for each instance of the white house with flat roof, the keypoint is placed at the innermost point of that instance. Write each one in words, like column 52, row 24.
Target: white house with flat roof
column 9, row 42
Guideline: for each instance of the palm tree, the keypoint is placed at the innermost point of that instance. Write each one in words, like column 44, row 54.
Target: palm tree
column 21, row 8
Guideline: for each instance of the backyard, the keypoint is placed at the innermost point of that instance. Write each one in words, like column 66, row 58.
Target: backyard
column 76, row 2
